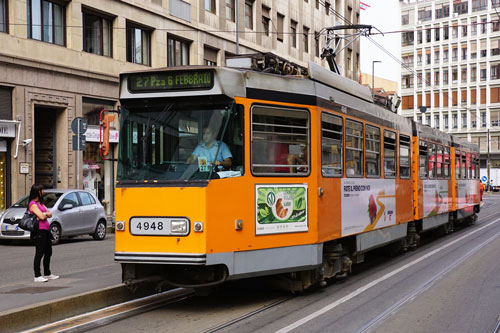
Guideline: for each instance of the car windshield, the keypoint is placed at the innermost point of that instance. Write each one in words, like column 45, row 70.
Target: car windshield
column 180, row 140
column 49, row 200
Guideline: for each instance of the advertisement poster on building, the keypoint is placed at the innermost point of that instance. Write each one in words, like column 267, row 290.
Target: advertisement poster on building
column 280, row 208
column 367, row 204
column 436, row 198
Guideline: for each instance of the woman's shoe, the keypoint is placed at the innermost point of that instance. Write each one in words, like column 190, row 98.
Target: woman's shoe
column 51, row 277
column 41, row 279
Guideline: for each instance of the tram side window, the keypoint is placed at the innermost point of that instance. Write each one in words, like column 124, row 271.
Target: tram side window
column 389, row 154
column 432, row 160
column 404, row 157
column 457, row 165
column 439, row 162
column 446, row 163
column 463, row 169
column 468, row 166
column 353, row 148
column 280, row 141
column 422, row 152
column 331, row 145
column 372, row 151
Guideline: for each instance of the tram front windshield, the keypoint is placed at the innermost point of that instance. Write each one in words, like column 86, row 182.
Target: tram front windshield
column 166, row 142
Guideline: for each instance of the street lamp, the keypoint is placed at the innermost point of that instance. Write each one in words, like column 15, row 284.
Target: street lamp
column 373, row 77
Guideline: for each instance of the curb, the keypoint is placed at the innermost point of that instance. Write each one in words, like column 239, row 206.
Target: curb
column 51, row 311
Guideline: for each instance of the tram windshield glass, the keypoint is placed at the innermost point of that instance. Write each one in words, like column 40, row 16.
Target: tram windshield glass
column 180, row 140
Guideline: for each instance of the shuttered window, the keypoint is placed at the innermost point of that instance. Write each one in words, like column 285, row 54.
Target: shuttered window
column 445, row 99
column 495, row 95
column 483, row 96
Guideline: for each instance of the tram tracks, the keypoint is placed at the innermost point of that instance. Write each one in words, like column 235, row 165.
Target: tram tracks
column 132, row 308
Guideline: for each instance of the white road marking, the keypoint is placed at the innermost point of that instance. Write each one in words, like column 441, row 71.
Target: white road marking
column 375, row 282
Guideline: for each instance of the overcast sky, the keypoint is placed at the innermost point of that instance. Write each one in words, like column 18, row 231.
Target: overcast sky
column 384, row 15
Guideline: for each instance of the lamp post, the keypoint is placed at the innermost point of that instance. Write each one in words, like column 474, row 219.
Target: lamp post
column 373, row 77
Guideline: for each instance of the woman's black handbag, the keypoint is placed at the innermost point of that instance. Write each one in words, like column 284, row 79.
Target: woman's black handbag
column 29, row 222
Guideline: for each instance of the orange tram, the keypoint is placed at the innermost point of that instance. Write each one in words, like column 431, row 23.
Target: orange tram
column 318, row 175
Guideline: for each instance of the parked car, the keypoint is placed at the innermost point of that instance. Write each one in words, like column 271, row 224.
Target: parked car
column 74, row 212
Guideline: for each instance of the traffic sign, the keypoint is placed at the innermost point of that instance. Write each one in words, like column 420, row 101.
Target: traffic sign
column 79, row 125
column 82, row 142
column 484, row 179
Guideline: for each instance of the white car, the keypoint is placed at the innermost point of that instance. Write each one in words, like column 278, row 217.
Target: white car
column 74, row 212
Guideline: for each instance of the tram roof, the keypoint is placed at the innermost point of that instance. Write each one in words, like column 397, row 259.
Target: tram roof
column 321, row 87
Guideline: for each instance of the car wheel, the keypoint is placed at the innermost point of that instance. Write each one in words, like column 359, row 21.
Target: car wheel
column 100, row 230
column 55, row 230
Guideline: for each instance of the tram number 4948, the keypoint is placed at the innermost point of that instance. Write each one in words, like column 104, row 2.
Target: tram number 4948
column 148, row 226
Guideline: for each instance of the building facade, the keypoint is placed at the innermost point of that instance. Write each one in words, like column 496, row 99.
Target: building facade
column 451, row 55
column 60, row 59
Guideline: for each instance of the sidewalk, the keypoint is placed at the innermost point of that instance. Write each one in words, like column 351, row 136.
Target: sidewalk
column 25, row 304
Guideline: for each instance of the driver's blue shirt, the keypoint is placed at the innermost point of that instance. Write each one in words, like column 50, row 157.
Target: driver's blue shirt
column 203, row 151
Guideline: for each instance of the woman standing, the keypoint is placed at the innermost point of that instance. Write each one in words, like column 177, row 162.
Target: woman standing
column 43, row 243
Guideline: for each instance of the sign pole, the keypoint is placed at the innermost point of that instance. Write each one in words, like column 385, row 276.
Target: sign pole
column 78, row 155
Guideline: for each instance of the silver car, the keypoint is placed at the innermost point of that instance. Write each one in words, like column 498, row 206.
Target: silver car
column 74, row 212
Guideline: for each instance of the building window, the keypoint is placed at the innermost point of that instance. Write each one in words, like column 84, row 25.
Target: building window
column 3, row 15
column 464, row 119
column 495, row 118
column 331, row 145
column 46, row 21
column 230, row 10
column 281, row 23
column 177, row 52
column 483, row 119
column 138, row 45
column 419, row 37
column 436, row 121
column 249, row 14
column 210, row 6
column 317, row 4
column 445, row 120
column 293, row 34
column 266, row 20
column 96, row 33
column 372, row 153
column 306, row 39
column 210, row 56
column 454, row 120
column 428, row 35
column 316, row 45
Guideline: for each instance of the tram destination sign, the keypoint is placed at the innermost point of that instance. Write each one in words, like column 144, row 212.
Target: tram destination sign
column 171, row 81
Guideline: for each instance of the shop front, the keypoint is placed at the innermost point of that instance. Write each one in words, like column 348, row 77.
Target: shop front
column 7, row 135
column 99, row 174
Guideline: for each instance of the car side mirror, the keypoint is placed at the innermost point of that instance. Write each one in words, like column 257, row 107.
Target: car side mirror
column 66, row 206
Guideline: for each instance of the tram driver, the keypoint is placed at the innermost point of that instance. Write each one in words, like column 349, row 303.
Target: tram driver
column 205, row 152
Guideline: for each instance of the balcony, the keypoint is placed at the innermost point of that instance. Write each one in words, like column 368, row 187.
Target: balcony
column 495, row 52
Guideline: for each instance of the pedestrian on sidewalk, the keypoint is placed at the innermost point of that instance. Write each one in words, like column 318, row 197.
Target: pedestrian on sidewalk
column 42, row 236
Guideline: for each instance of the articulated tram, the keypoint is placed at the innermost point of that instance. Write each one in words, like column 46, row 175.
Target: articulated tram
column 316, row 176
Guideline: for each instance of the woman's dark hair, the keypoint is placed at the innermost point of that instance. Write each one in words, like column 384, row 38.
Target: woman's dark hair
column 35, row 193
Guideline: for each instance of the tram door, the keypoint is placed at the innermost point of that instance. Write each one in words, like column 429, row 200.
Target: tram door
column 45, row 147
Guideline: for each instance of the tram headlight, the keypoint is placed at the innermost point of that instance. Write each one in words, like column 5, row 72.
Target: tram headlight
column 178, row 227
column 120, row 225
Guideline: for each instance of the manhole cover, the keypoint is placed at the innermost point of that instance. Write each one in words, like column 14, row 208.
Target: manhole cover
column 32, row 290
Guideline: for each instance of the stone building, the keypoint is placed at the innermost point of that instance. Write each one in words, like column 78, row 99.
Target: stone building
column 60, row 59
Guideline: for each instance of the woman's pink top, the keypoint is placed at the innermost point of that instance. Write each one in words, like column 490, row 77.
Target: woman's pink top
column 42, row 224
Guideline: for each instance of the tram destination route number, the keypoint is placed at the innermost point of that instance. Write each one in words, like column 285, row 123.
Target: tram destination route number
column 171, row 81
